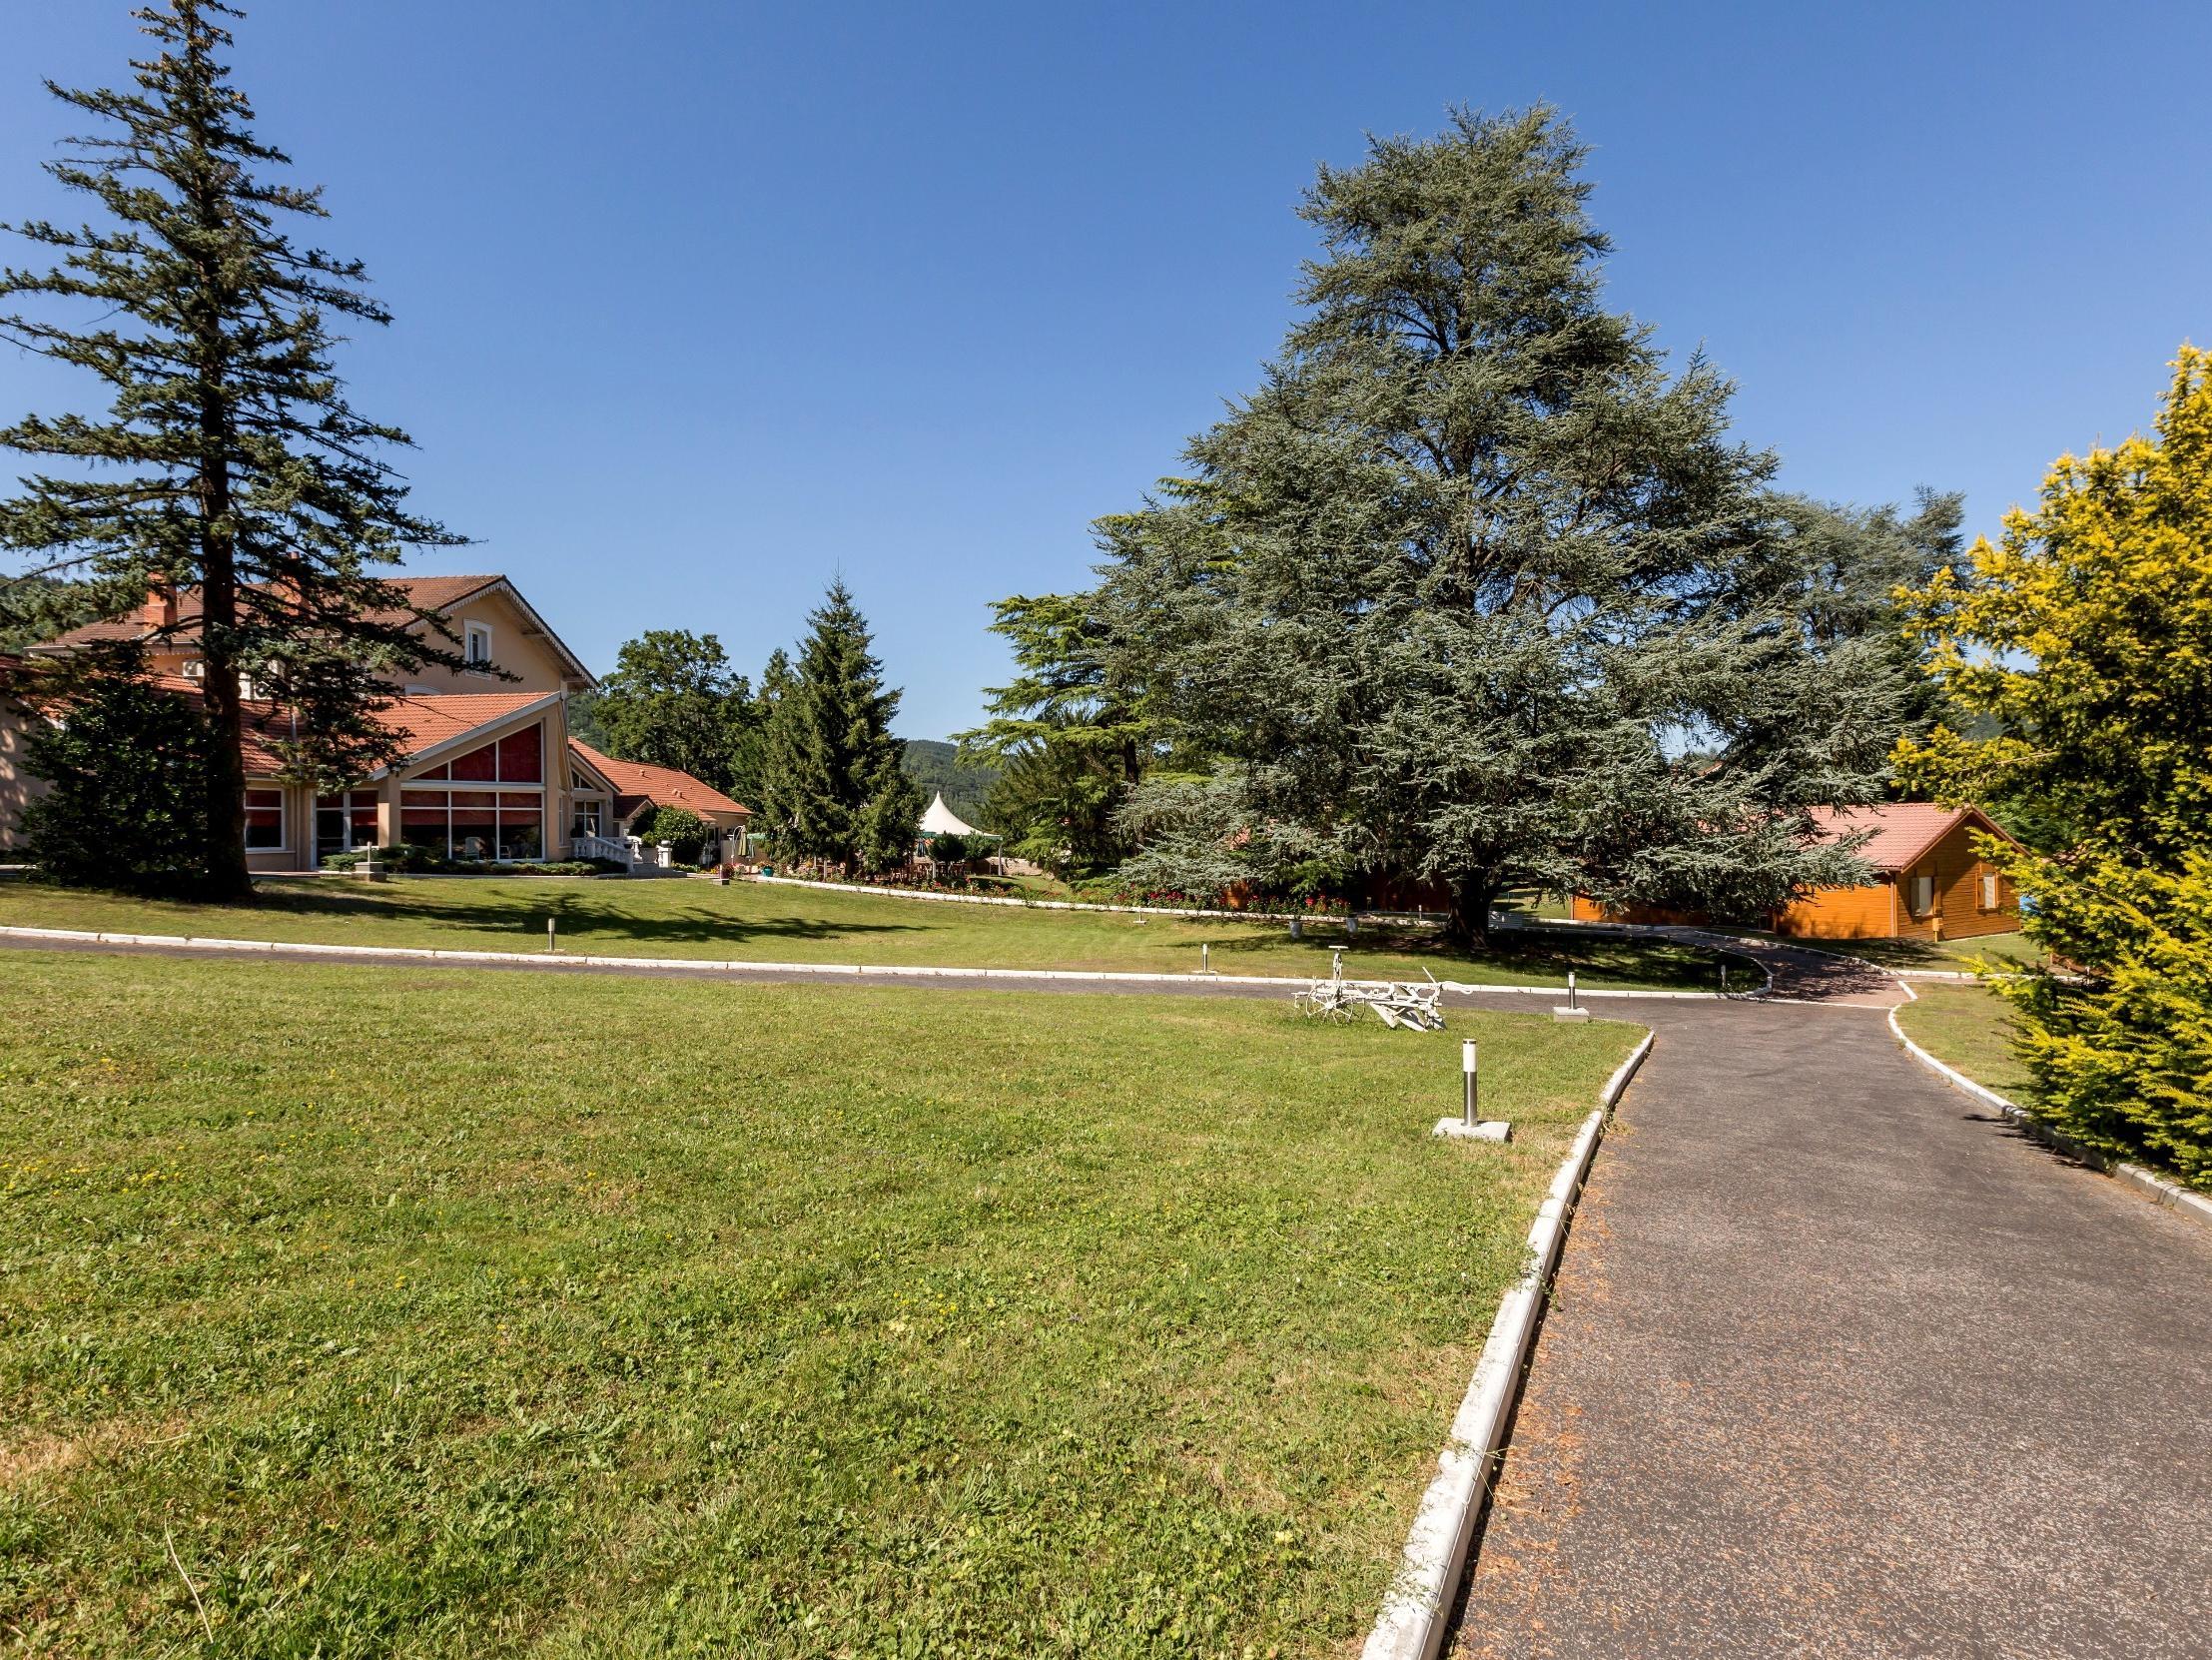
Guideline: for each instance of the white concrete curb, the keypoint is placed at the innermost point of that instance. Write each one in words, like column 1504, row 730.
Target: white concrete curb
column 696, row 965
column 2195, row 1205
column 1411, row 1625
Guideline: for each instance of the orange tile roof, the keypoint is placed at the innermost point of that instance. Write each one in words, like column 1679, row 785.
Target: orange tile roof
column 426, row 593
column 636, row 783
column 1902, row 830
column 420, row 722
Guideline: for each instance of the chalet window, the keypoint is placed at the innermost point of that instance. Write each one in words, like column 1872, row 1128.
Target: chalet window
column 480, row 643
column 1988, row 889
column 265, row 819
column 1921, row 896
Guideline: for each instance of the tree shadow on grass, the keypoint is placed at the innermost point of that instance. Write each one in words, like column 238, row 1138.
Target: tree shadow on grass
column 1531, row 953
column 577, row 914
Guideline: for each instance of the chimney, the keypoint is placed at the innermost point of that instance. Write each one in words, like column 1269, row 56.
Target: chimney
column 160, row 609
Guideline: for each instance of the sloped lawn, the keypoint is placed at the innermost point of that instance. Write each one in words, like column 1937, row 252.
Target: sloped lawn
column 446, row 1314
column 1968, row 1027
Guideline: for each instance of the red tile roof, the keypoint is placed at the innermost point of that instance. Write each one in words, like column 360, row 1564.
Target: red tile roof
column 422, row 722
column 1902, row 830
column 636, row 784
column 425, row 594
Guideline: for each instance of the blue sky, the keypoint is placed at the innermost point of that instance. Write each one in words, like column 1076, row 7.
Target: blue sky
column 701, row 303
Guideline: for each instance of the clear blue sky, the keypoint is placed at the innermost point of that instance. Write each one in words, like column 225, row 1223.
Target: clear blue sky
column 701, row 303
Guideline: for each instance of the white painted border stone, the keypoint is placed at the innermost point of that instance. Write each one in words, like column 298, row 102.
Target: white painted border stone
column 2196, row 1207
column 1411, row 1625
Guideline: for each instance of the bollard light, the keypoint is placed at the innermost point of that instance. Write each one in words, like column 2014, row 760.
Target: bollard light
column 1336, row 963
column 549, row 945
column 1467, row 1061
column 1205, row 958
column 1572, row 1001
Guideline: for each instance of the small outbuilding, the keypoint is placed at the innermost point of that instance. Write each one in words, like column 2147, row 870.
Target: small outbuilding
column 1930, row 882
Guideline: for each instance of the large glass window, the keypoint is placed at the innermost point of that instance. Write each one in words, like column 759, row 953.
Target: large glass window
column 476, row 824
column 345, row 820
column 521, row 758
column 487, row 804
column 422, row 820
column 265, row 819
column 521, row 828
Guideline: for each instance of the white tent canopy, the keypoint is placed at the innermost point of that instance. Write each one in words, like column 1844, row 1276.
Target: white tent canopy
column 940, row 820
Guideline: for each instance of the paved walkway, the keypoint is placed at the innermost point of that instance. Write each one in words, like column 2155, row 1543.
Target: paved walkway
column 1839, row 1363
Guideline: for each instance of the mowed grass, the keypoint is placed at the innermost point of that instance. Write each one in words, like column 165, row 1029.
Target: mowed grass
column 764, row 922
column 1968, row 1027
column 442, row 1312
column 2002, row 950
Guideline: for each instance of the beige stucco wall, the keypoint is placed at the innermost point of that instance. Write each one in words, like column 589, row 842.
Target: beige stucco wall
column 18, row 787
column 517, row 646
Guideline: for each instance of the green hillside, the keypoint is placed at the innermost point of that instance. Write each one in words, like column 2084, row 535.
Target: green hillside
column 935, row 765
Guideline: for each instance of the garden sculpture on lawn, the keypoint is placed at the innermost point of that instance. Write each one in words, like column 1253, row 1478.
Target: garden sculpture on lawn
column 1400, row 1003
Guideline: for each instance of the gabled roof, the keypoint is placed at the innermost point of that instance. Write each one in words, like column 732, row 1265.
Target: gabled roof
column 635, row 784
column 423, row 724
column 1904, row 831
column 425, row 593
column 940, row 820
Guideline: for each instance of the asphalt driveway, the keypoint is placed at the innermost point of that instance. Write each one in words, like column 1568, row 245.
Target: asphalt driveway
column 1839, row 1364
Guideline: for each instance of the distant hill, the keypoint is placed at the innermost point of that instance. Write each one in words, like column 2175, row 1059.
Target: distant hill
column 935, row 766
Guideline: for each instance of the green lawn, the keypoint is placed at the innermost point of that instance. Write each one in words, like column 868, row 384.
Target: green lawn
column 1967, row 1027
column 442, row 1312
column 763, row 922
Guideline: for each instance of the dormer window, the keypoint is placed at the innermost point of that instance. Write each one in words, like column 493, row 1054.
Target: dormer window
column 479, row 639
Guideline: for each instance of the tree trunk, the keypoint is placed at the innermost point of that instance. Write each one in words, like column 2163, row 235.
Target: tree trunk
column 1473, row 893
column 224, row 847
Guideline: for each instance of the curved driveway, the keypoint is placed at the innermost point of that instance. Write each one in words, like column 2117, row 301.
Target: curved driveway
column 1837, row 1363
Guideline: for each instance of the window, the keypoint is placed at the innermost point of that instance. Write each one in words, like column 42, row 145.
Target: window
column 344, row 821
column 1922, row 895
column 478, row 635
column 487, row 804
column 1988, row 889
column 265, row 819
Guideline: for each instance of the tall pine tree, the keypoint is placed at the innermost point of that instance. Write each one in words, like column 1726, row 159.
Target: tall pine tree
column 230, row 464
column 831, row 788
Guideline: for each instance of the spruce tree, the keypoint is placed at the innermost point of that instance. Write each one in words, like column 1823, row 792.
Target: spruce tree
column 229, row 463
column 1459, row 593
column 832, row 787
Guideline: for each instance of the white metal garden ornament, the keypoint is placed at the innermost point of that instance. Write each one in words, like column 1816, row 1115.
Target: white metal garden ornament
column 1400, row 1003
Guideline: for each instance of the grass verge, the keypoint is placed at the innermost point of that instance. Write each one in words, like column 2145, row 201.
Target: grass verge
column 1968, row 1027
column 764, row 922
column 432, row 1312
column 1948, row 955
